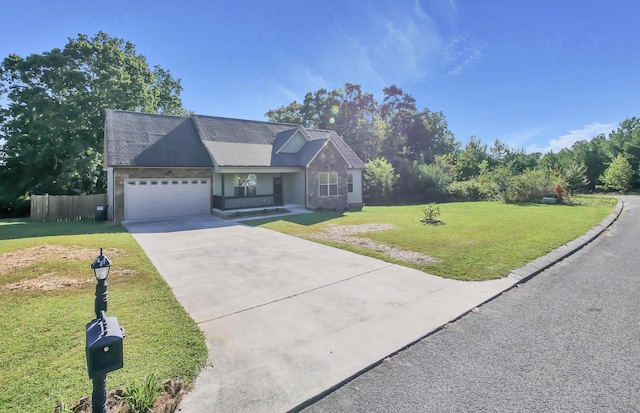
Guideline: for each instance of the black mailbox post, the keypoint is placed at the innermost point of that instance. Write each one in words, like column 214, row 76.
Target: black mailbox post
column 104, row 348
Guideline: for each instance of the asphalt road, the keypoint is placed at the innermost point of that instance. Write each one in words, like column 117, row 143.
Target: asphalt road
column 568, row 340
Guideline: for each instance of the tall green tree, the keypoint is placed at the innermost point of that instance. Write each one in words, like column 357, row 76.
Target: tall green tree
column 592, row 155
column 286, row 114
column 429, row 137
column 52, row 123
column 398, row 110
column 618, row 176
column 470, row 158
column 625, row 141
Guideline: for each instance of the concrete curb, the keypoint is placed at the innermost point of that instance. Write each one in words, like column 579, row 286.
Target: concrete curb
column 535, row 267
column 518, row 276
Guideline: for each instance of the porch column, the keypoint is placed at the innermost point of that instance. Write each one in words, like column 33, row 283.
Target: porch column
column 222, row 188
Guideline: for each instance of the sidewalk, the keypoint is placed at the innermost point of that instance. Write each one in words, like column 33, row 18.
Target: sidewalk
column 285, row 332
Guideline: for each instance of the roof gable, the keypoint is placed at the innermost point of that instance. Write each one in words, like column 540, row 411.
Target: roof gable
column 345, row 150
column 294, row 140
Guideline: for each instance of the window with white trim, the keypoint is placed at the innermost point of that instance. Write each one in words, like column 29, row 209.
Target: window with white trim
column 328, row 183
column 350, row 183
column 245, row 186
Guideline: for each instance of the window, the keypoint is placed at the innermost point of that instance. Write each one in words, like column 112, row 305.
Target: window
column 328, row 182
column 349, row 183
column 245, row 186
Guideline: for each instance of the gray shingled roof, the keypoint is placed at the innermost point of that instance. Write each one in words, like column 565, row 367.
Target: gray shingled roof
column 342, row 146
column 144, row 140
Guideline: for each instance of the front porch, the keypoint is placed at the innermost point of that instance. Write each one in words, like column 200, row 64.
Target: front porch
column 258, row 212
column 246, row 202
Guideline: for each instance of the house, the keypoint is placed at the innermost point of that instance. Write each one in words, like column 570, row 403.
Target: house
column 166, row 166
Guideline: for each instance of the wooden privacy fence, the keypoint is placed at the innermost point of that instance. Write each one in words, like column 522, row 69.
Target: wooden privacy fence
column 65, row 207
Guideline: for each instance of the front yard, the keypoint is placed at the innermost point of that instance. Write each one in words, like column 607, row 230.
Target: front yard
column 47, row 288
column 47, row 297
column 477, row 240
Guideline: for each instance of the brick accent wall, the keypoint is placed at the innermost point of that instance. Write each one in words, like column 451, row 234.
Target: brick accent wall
column 328, row 160
column 120, row 174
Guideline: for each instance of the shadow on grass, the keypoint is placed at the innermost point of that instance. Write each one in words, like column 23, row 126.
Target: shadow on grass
column 23, row 228
column 300, row 219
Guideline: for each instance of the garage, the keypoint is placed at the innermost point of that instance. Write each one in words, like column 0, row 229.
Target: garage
column 163, row 198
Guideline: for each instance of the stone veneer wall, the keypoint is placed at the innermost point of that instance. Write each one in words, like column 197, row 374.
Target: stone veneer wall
column 328, row 160
column 120, row 174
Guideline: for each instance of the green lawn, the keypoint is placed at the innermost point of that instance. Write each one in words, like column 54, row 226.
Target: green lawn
column 43, row 332
column 478, row 241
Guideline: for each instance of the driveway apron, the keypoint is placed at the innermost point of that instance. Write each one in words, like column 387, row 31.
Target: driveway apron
column 286, row 319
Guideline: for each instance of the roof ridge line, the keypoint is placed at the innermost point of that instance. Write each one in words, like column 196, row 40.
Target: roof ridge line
column 293, row 125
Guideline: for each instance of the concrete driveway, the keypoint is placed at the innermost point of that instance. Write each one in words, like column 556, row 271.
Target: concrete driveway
column 287, row 319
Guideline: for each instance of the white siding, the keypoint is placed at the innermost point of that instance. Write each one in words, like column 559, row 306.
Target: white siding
column 355, row 196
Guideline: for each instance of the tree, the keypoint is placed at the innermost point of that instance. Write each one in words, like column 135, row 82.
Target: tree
column 357, row 123
column 625, row 141
column 618, row 175
column 286, row 114
column 53, row 121
column 470, row 158
column 429, row 137
column 591, row 154
column 575, row 177
column 398, row 110
column 320, row 109
column 348, row 111
column 379, row 179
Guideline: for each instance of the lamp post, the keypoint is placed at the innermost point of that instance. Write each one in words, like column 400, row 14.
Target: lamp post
column 101, row 267
column 104, row 339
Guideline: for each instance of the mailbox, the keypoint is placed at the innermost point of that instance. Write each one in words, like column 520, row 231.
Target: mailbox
column 104, row 346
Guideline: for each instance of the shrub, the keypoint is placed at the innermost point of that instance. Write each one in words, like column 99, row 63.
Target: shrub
column 14, row 208
column 529, row 186
column 559, row 193
column 435, row 180
column 469, row 190
column 379, row 179
column 431, row 212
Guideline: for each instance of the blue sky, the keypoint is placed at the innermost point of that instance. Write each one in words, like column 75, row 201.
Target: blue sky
column 537, row 74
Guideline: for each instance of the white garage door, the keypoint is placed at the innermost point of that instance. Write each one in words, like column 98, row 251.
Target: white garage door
column 160, row 198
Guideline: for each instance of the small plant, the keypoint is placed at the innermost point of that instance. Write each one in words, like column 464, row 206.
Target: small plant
column 140, row 396
column 62, row 407
column 431, row 213
column 559, row 193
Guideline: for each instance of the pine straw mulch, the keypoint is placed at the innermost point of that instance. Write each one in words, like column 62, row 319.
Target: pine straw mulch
column 345, row 234
column 51, row 281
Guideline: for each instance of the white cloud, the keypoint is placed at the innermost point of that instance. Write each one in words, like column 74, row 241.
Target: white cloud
column 404, row 45
column 393, row 43
column 566, row 141
column 461, row 54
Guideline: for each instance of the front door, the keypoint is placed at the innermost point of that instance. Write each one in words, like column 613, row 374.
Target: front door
column 277, row 191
